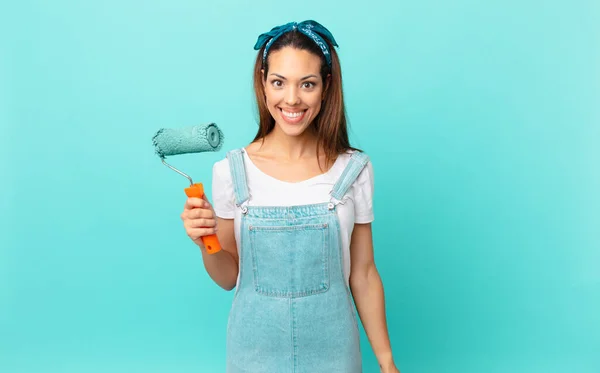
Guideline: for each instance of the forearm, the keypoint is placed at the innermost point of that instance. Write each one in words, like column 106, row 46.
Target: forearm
column 367, row 290
column 221, row 267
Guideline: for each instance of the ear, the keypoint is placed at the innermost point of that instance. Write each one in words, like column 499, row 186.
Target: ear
column 327, row 82
column 264, row 84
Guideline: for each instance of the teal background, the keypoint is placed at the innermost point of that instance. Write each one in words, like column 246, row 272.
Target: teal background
column 482, row 120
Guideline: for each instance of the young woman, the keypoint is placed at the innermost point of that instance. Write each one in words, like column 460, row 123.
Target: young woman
column 294, row 211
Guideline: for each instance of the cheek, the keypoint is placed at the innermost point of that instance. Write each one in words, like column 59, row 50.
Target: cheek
column 315, row 102
column 272, row 97
column 316, row 98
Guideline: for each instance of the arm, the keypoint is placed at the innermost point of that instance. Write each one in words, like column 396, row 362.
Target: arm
column 223, row 266
column 367, row 290
column 200, row 220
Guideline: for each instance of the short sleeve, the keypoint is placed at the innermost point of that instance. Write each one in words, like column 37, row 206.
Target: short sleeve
column 363, row 195
column 222, row 191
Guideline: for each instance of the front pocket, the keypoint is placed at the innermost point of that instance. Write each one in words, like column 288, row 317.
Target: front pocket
column 290, row 261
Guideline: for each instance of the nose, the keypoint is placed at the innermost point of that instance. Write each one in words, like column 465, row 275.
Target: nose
column 291, row 96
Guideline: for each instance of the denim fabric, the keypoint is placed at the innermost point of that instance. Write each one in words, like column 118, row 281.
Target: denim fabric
column 292, row 310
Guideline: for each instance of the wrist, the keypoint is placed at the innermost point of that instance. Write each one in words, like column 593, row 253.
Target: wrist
column 385, row 359
column 388, row 367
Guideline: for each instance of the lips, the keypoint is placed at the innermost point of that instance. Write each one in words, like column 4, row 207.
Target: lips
column 292, row 117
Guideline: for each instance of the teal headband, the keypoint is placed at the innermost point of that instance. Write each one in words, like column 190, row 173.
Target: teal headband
column 312, row 29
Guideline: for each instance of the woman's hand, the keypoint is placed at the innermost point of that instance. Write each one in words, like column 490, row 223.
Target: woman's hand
column 198, row 219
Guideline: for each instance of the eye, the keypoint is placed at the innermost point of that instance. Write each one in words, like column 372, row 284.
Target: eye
column 277, row 83
column 308, row 85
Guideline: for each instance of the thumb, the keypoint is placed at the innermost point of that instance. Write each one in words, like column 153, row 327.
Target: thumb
column 205, row 198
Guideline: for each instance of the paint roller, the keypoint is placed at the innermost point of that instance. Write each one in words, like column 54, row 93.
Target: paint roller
column 193, row 139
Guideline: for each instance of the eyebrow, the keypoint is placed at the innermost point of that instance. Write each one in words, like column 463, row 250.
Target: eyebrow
column 306, row 77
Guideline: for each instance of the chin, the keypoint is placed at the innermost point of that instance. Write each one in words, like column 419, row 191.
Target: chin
column 292, row 130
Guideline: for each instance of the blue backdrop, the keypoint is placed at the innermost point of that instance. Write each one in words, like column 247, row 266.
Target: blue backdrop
column 482, row 120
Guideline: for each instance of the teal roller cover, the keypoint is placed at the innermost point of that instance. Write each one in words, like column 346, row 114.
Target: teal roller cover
column 192, row 139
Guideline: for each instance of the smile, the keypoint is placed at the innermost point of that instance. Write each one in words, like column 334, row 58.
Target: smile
column 292, row 116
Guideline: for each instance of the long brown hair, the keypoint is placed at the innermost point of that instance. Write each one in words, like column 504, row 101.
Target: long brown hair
column 330, row 124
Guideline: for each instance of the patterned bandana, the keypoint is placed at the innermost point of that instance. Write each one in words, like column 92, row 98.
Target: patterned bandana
column 310, row 28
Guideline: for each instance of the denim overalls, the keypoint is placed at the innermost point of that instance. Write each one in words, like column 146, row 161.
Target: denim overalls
column 292, row 310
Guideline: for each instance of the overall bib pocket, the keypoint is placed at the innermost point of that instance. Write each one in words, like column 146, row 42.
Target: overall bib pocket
column 290, row 261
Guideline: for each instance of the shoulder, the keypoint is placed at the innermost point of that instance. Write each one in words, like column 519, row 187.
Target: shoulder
column 366, row 173
column 222, row 167
column 362, row 186
column 223, row 197
column 358, row 155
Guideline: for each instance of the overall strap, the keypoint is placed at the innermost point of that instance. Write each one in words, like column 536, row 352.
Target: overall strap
column 238, row 175
column 358, row 161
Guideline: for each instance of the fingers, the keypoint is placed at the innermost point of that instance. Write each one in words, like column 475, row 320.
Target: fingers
column 196, row 233
column 195, row 208
column 198, row 218
column 200, row 223
column 193, row 202
column 199, row 213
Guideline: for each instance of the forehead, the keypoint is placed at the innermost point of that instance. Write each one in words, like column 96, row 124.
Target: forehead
column 292, row 62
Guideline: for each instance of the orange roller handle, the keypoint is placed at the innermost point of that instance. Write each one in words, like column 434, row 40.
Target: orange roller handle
column 211, row 242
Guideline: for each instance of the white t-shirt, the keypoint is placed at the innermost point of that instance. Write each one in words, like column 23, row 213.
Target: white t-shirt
column 265, row 190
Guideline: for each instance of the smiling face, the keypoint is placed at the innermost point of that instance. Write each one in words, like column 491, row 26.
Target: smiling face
column 293, row 89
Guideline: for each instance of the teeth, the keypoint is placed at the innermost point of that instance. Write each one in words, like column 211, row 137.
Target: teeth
column 292, row 115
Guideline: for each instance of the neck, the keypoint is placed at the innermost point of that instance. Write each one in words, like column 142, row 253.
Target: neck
column 291, row 147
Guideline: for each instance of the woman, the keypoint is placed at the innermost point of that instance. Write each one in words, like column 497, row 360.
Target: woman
column 293, row 210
